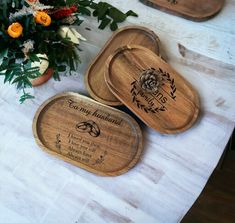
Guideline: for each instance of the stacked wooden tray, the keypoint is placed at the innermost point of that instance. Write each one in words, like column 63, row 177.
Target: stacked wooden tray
column 94, row 78
column 115, row 77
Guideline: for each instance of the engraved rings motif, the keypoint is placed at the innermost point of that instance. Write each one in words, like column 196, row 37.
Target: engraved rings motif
column 89, row 127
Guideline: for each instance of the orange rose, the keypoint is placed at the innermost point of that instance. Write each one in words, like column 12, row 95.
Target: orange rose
column 15, row 30
column 43, row 18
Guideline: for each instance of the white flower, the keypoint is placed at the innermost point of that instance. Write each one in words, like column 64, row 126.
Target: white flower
column 43, row 64
column 71, row 33
column 28, row 46
column 22, row 12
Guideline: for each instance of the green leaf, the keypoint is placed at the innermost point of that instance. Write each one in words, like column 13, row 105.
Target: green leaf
column 3, row 53
column 14, row 67
column 83, row 2
column 102, row 9
column 78, row 22
column 8, row 76
column 62, row 68
column 84, row 11
column 56, row 75
column 95, row 13
column 71, row 64
column 24, row 97
column 20, row 78
column 33, row 74
column 34, row 57
column 93, row 5
column 117, row 15
column 131, row 13
column 104, row 23
column 27, row 23
column 43, row 58
column 113, row 26
column 20, row 85
column 27, row 82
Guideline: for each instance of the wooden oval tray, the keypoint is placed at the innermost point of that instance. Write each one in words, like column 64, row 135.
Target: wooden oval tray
column 149, row 87
column 95, row 137
column 196, row 10
column 95, row 74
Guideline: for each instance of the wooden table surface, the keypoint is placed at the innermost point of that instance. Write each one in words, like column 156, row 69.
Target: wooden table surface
column 36, row 187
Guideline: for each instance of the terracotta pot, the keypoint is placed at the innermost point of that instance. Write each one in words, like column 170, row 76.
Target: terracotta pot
column 43, row 79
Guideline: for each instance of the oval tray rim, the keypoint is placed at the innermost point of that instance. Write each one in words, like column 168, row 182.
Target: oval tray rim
column 184, row 15
column 130, row 165
column 113, row 90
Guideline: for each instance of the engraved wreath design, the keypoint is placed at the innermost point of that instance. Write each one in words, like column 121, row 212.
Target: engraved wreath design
column 147, row 109
column 165, row 77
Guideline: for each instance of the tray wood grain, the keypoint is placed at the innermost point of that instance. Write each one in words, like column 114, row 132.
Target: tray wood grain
column 196, row 10
column 85, row 133
column 94, row 78
column 171, row 108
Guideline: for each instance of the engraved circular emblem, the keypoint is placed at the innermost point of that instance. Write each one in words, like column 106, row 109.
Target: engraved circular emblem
column 90, row 127
column 150, row 80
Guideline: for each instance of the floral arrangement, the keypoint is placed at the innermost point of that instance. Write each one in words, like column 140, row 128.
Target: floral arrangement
column 39, row 34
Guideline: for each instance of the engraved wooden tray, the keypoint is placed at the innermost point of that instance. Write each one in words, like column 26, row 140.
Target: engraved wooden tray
column 95, row 137
column 149, row 87
column 94, row 78
column 196, row 10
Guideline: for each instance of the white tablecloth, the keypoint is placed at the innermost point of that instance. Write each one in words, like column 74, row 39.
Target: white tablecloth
column 38, row 188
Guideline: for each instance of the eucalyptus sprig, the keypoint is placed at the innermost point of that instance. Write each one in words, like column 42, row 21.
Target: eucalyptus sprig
column 19, row 74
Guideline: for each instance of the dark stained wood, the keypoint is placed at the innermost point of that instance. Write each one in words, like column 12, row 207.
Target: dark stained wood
column 217, row 202
column 149, row 87
column 196, row 10
column 85, row 133
column 94, row 78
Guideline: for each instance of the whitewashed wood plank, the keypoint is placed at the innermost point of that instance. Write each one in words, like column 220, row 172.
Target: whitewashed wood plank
column 35, row 187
